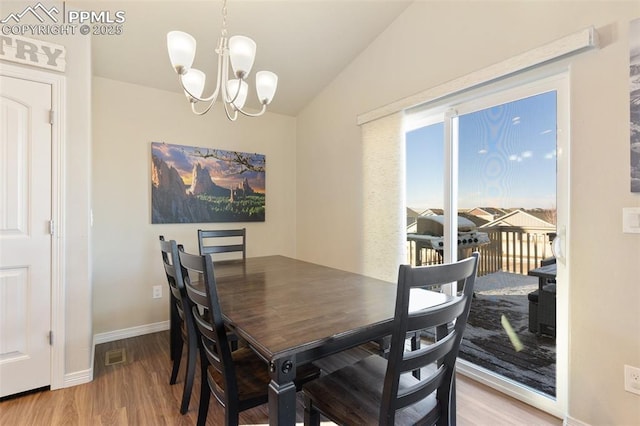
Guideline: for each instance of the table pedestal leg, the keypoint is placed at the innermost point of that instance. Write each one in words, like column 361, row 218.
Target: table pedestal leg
column 282, row 393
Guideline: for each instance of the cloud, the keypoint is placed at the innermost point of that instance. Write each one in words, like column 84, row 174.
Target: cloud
column 179, row 159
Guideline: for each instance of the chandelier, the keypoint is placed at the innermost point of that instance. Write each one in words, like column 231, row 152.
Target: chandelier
column 238, row 50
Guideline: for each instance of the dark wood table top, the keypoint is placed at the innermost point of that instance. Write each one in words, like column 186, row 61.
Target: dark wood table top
column 293, row 312
column 282, row 305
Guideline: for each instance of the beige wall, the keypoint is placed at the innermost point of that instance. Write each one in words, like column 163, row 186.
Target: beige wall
column 126, row 257
column 433, row 42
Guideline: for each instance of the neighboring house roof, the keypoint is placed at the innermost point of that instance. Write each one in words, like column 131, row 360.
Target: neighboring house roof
column 411, row 216
column 412, row 213
column 483, row 211
column 432, row 212
column 520, row 218
column 543, row 214
column 478, row 221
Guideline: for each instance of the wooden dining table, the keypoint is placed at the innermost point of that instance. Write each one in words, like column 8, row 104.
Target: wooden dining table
column 292, row 312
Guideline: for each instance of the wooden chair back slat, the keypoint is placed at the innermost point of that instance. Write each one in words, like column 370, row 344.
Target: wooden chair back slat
column 223, row 245
column 448, row 319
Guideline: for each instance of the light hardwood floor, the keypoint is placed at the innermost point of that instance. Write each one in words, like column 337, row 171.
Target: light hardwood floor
column 137, row 392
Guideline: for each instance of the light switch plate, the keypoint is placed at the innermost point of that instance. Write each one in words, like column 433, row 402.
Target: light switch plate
column 631, row 220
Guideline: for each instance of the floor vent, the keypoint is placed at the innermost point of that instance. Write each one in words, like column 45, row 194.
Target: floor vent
column 115, row 356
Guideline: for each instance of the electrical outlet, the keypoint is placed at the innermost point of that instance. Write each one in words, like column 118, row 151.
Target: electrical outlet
column 157, row 291
column 632, row 379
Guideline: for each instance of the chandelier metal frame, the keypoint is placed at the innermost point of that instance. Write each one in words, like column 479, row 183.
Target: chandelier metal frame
column 237, row 52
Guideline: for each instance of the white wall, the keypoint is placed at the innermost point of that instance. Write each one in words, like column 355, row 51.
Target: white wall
column 433, row 42
column 125, row 250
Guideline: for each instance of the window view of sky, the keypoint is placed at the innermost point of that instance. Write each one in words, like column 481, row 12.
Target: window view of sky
column 507, row 158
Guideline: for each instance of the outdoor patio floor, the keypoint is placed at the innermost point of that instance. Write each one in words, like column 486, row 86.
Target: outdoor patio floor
column 486, row 343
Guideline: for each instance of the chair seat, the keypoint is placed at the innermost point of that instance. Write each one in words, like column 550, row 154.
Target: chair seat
column 253, row 376
column 353, row 395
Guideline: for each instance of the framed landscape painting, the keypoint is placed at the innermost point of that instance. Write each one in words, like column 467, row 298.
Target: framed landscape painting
column 198, row 185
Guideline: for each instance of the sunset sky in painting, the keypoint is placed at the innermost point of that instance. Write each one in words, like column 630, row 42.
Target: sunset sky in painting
column 223, row 173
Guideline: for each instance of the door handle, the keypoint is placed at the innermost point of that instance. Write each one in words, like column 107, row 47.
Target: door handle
column 557, row 246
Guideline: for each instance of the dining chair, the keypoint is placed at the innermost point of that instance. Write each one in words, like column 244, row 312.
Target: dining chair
column 383, row 391
column 240, row 379
column 227, row 241
column 182, row 329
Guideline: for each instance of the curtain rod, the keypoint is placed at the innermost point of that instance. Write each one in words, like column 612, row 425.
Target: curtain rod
column 572, row 44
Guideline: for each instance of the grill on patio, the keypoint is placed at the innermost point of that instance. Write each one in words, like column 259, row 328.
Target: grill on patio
column 430, row 234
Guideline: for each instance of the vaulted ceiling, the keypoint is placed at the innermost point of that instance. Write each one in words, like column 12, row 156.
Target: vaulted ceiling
column 306, row 42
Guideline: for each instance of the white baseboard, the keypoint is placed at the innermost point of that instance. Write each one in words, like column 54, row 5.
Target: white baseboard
column 78, row 378
column 570, row 421
column 126, row 333
column 86, row 376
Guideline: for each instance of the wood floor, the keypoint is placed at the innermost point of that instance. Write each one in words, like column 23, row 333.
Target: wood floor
column 137, row 392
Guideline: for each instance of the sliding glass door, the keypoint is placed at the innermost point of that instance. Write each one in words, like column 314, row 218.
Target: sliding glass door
column 491, row 170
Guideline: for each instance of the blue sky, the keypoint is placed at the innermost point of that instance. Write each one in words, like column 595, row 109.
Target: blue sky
column 507, row 157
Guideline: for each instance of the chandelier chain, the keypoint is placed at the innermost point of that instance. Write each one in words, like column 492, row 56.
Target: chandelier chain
column 224, row 18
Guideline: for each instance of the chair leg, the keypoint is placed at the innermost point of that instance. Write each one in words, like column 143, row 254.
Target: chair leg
column 452, row 402
column 447, row 401
column 175, row 334
column 177, row 356
column 311, row 415
column 205, row 392
column 192, row 350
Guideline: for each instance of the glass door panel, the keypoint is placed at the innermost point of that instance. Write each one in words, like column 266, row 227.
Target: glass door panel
column 507, row 188
column 424, row 191
column 494, row 165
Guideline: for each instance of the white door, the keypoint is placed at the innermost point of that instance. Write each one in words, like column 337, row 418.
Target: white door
column 25, row 237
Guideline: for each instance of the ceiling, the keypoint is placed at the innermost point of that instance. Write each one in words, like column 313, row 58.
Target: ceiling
column 306, row 42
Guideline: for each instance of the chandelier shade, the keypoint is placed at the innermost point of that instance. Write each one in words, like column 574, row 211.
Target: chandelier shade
column 182, row 50
column 237, row 53
column 193, row 81
column 237, row 90
column 266, row 84
column 242, row 52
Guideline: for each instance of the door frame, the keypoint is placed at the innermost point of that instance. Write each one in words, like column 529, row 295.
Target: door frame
column 559, row 82
column 449, row 108
column 58, row 138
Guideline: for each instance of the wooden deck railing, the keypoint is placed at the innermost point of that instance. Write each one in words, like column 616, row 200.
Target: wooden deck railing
column 512, row 249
